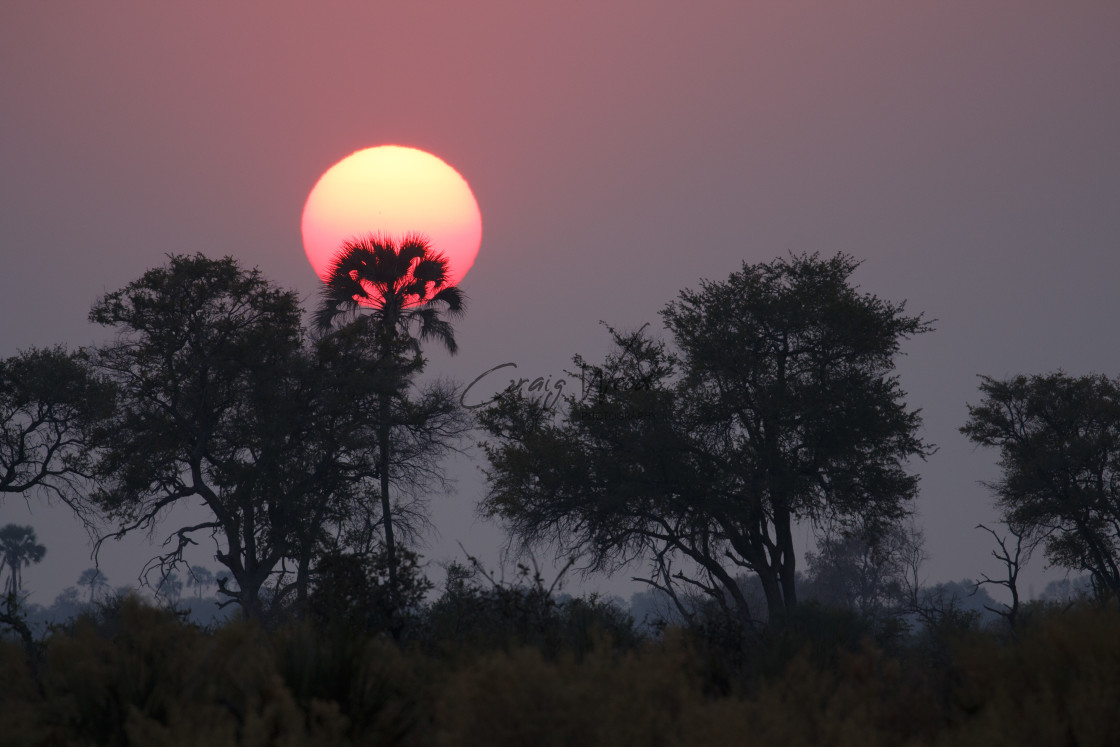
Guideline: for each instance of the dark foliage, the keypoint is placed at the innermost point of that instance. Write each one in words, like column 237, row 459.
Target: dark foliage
column 219, row 399
column 476, row 612
column 130, row 674
column 48, row 399
column 778, row 406
column 354, row 591
column 1059, row 442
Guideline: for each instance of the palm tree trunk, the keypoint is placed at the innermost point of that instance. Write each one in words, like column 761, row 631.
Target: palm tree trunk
column 386, row 512
column 303, row 573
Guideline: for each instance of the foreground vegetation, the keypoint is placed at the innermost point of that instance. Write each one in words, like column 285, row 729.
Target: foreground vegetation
column 518, row 669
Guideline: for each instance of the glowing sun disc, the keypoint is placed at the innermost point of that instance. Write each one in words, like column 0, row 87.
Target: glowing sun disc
column 392, row 191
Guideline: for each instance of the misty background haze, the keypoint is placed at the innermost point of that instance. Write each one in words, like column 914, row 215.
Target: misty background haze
column 968, row 152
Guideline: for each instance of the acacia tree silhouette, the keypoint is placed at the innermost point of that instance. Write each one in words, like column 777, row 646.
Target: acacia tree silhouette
column 47, row 399
column 218, row 399
column 779, row 405
column 1059, row 442
column 400, row 289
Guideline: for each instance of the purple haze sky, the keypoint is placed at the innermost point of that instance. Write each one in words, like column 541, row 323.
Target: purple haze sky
column 969, row 152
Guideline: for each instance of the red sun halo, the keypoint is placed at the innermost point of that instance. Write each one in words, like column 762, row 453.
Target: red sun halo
column 392, row 191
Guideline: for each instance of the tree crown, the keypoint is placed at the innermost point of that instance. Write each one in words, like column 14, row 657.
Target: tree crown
column 401, row 288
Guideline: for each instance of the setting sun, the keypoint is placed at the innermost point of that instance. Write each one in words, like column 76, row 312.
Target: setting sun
column 392, row 191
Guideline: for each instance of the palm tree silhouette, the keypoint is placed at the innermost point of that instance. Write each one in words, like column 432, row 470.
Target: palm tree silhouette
column 401, row 290
column 18, row 548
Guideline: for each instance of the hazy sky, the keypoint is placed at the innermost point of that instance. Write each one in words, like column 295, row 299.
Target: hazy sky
column 968, row 151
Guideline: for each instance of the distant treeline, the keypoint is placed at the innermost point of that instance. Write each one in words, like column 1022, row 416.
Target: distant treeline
column 769, row 403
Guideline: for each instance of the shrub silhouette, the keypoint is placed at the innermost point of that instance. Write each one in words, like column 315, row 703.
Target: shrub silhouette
column 470, row 617
column 132, row 674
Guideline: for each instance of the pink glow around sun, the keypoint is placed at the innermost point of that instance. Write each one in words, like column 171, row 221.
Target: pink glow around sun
column 392, row 191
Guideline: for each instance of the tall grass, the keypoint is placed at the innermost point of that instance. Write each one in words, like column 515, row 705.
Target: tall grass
column 134, row 675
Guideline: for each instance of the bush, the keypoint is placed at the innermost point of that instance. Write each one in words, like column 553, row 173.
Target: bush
column 647, row 696
column 141, row 676
column 135, row 675
column 470, row 617
column 1058, row 684
column 352, row 591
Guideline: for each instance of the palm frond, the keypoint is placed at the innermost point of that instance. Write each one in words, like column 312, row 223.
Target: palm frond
column 454, row 298
column 353, row 256
column 325, row 316
column 417, row 288
column 432, row 268
column 434, row 327
column 415, row 246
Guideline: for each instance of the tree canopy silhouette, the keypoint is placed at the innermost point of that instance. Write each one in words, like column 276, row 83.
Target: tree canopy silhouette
column 1059, row 443
column 94, row 580
column 778, row 405
column 220, row 399
column 48, row 398
column 400, row 287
